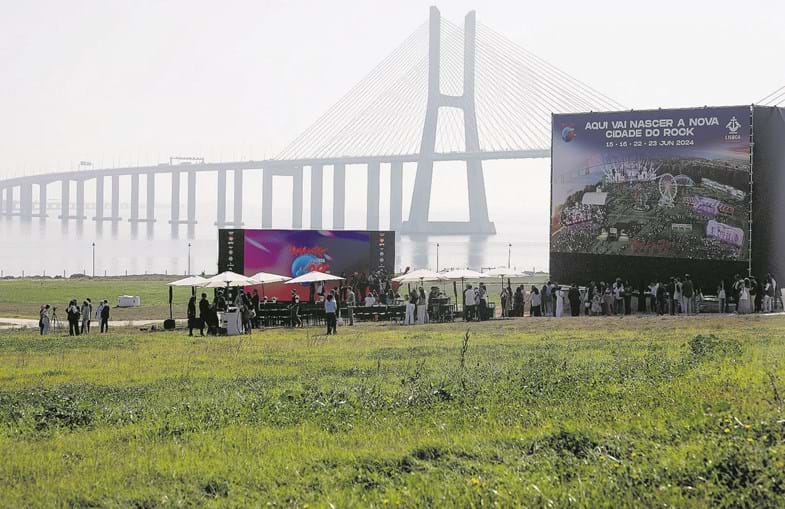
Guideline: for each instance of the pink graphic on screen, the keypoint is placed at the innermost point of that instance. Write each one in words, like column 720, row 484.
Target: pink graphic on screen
column 293, row 253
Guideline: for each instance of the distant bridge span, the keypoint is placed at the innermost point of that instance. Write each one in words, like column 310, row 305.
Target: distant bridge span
column 447, row 93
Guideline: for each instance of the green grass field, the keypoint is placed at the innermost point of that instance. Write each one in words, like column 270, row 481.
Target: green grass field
column 22, row 298
column 589, row 412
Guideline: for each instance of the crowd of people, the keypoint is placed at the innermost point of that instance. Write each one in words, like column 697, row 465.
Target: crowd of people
column 79, row 317
column 679, row 295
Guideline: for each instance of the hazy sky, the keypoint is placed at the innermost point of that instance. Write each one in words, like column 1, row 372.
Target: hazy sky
column 124, row 81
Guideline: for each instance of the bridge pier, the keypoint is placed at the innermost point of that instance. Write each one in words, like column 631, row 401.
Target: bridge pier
column 339, row 196
column 297, row 197
column 174, row 219
column 80, row 200
column 221, row 187
column 237, row 218
column 150, row 184
column 9, row 204
column 317, row 184
column 134, row 198
column 372, row 210
column 26, row 200
column 42, row 211
column 191, row 197
column 396, row 195
column 65, row 200
column 115, row 198
column 99, row 199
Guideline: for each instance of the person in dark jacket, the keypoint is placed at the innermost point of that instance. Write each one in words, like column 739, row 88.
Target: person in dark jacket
column 204, row 312
column 73, row 318
column 105, row 316
column 193, row 321
column 574, row 296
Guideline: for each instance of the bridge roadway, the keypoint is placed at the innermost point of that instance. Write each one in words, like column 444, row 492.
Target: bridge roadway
column 16, row 194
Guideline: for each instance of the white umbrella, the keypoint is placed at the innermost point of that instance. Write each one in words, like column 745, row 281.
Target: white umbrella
column 502, row 272
column 227, row 279
column 266, row 278
column 419, row 275
column 189, row 281
column 461, row 274
column 313, row 277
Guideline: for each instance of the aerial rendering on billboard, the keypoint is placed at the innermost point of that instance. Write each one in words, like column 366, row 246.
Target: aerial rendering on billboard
column 661, row 183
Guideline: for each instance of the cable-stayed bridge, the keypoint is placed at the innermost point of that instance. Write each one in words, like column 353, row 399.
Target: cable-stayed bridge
column 447, row 93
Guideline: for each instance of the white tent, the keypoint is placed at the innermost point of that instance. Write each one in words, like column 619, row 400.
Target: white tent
column 418, row 276
column 313, row 277
column 227, row 279
column 189, row 281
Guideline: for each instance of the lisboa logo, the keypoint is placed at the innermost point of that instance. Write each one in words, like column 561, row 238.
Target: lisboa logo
column 733, row 125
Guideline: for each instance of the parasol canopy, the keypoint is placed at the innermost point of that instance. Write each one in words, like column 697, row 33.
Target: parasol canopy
column 264, row 278
column 461, row 274
column 189, row 281
column 227, row 279
column 419, row 275
column 313, row 277
column 502, row 272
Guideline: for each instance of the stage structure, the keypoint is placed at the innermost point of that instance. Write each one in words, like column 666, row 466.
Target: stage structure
column 645, row 195
column 292, row 253
column 447, row 93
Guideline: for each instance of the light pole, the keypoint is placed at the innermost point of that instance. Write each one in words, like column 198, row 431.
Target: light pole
column 189, row 258
column 437, row 257
column 93, row 259
column 509, row 254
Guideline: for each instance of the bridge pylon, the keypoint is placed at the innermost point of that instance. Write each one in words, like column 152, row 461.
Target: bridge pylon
column 419, row 221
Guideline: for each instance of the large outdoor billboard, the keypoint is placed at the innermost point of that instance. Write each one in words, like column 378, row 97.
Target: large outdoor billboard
column 293, row 253
column 658, row 183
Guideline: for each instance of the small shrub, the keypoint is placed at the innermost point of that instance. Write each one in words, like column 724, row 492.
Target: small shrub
column 710, row 346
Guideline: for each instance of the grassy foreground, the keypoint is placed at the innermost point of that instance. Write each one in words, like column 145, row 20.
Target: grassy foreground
column 589, row 412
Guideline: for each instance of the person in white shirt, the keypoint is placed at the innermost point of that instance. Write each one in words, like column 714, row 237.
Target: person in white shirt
column 331, row 311
column 369, row 300
column 469, row 303
column 410, row 307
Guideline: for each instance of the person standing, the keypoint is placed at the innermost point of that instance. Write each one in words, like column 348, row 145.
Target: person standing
column 545, row 298
column 86, row 313
column 192, row 315
column 574, row 296
column 72, row 313
column 330, row 312
column 535, row 302
column 294, row 311
column 351, row 301
column 422, row 307
column 687, row 292
column 559, row 294
column 43, row 319
column 722, row 298
column 469, row 303
column 204, row 313
column 745, row 300
column 627, row 298
column 105, row 316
